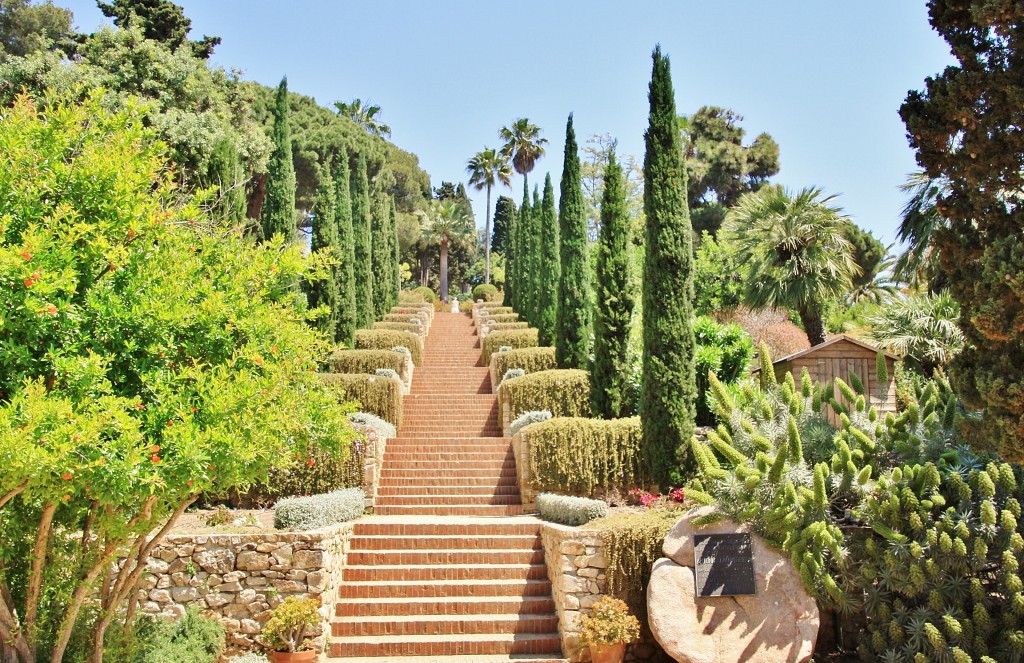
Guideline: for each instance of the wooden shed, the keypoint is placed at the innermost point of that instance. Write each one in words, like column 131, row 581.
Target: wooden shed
column 838, row 358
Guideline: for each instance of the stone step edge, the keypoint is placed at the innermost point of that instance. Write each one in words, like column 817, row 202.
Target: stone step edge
column 437, row 619
column 442, row 638
column 449, row 599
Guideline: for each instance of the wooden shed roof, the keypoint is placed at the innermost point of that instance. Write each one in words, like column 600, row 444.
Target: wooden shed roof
column 839, row 338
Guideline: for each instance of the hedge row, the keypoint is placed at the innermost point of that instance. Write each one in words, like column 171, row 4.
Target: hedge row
column 516, row 338
column 567, row 510
column 375, row 394
column 386, row 339
column 406, row 317
column 505, row 326
column 488, row 293
column 500, row 317
column 564, row 393
column 419, row 330
column 577, row 455
column 368, row 361
column 418, row 310
column 531, row 360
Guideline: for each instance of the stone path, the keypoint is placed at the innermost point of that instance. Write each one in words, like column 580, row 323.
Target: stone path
column 448, row 569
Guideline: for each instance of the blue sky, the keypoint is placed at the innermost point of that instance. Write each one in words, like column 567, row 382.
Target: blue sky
column 826, row 79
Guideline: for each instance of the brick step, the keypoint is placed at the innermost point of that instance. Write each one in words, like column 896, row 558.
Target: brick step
column 434, row 557
column 408, row 474
column 454, row 625
column 429, row 418
column 443, row 589
column 450, row 510
column 405, row 488
column 487, row 481
column 475, row 390
column 494, row 658
column 450, row 432
column 446, row 465
column 458, row 445
column 458, row 399
column 491, row 542
column 454, row 529
column 458, row 605
column 446, row 645
column 497, row 454
column 451, row 499
column 381, row 573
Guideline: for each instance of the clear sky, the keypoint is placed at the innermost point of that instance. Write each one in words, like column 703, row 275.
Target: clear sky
column 824, row 78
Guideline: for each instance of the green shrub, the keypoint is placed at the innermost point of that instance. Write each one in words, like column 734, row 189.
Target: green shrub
column 527, row 418
column 318, row 471
column 577, row 455
column 377, row 395
column 315, row 511
column 725, row 350
column 406, row 317
column 426, row 293
column 500, row 317
column 505, row 326
column 486, row 292
column 418, row 309
column 367, row 361
column 569, row 510
column 385, row 339
column 384, row 429
column 249, row 657
column 410, row 327
column 565, row 393
column 487, row 311
column 193, row 638
column 531, row 360
column 514, row 338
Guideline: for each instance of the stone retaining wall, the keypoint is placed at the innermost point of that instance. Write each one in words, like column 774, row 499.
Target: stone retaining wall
column 241, row 578
column 521, row 450
column 373, row 461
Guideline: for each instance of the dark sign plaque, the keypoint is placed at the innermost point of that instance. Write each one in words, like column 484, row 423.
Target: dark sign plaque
column 724, row 565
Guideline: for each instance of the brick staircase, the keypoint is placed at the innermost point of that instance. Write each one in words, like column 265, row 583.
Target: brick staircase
column 448, row 569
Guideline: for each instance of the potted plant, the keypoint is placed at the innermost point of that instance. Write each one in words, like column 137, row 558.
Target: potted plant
column 607, row 630
column 286, row 631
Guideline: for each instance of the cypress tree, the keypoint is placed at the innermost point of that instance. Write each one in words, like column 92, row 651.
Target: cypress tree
column 396, row 267
column 522, row 255
column 325, row 239
column 534, row 247
column 614, row 299
column 224, row 171
column 669, row 392
column 380, row 254
column 278, row 213
column 550, row 268
column 346, row 328
column 503, row 211
column 572, row 336
column 511, row 256
column 363, row 249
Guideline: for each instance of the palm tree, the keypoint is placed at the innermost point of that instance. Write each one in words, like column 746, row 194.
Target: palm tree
column 363, row 115
column 487, row 168
column 795, row 249
column 922, row 327
column 921, row 219
column 447, row 223
column 523, row 145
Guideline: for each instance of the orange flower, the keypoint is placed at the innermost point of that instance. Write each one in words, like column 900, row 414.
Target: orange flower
column 29, row 283
column 67, row 476
column 155, row 458
column 188, row 483
column 155, row 448
column 170, row 423
column 131, row 234
column 258, row 360
column 25, row 255
column 67, row 498
column 311, row 462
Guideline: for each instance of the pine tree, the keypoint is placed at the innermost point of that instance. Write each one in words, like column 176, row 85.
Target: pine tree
column 278, row 213
column 362, row 268
column 346, row 328
column 572, row 337
column 523, row 255
column 380, row 253
column 550, row 267
column 668, row 400
column 614, row 299
column 325, row 239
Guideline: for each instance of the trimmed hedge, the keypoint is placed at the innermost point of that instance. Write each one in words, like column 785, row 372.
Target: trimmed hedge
column 564, row 393
column 531, row 360
column 514, row 338
column 315, row 511
column 568, row 510
column 426, row 293
column 377, row 395
column 487, row 292
column 505, row 326
column 500, row 317
column 319, row 471
column 494, row 310
column 419, row 330
column 420, row 310
column 578, row 455
column 385, row 339
column 406, row 317
column 367, row 361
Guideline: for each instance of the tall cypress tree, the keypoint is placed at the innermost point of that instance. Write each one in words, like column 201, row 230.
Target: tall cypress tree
column 380, row 253
column 503, row 211
column 325, row 239
column 550, row 268
column 511, row 256
column 346, row 329
column 522, row 254
column 669, row 392
column 536, row 268
column 572, row 337
column 396, row 268
column 614, row 300
column 278, row 213
column 362, row 243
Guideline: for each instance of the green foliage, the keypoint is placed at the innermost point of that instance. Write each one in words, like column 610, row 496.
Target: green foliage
column 530, row 360
column 614, row 310
column 410, row 327
column 156, row 356
column 563, row 392
column 486, row 292
column 921, row 326
column 726, row 351
column 499, row 317
column 493, row 310
column 405, row 317
column 608, row 623
column 669, row 391
column 26, row 28
column 159, row 20
column 193, row 638
column 315, row 511
column 717, row 279
column 374, row 394
column 572, row 338
column 385, row 339
column 965, row 126
column 324, row 292
column 577, row 455
column 505, row 326
column 569, row 510
column 278, row 212
column 312, row 473
column 363, row 246
column 515, row 338
column 549, row 265
column 381, row 254
column 345, row 270
column 426, row 293
column 872, row 281
column 291, row 622
column 504, row 218
column 367, row 361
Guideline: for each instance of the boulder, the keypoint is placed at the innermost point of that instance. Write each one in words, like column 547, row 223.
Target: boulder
column 778, row 624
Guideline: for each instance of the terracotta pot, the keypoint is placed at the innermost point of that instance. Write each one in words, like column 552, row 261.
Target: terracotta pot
column 293, row 657
column 608, row 653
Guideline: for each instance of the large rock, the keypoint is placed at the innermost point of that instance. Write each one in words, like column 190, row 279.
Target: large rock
column 779, row 624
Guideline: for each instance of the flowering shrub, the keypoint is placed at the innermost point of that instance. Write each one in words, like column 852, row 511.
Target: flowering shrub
column 608, row 623
column 655, row 500
column 290, row 623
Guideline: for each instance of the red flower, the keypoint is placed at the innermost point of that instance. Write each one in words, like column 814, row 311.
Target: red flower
column 140, row 406
column 155, row 458
column 155, row 448
column 67, row 476
column 67, row 498
column 259, row 361
column 170, row 423
column 26, row 256
column 131, row 234
column 29, row 283
column 311, row 462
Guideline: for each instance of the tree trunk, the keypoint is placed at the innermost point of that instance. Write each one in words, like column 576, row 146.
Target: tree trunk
column 814, row 327
column 425, row 268
column 487, row 240
column 444, row 270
